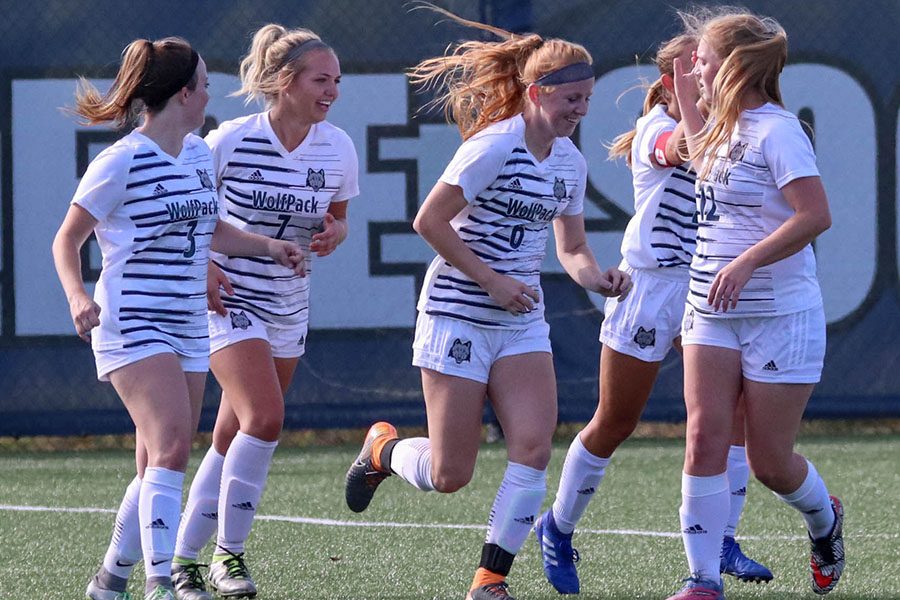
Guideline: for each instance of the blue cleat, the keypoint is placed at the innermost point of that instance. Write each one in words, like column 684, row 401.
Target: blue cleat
column 557, row 554
column 734, row 563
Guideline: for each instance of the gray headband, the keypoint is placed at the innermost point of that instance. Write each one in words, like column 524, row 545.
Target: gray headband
column 575, row 72
column 301, row 49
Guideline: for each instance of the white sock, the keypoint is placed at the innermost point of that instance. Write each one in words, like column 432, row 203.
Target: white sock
column 411, row 461
column 516, row 506
column 581, row 476
column 159, row 509
column 200, row 518
column 813, row 502
column 124, row 549
column 704, row 512
column 244, row 475
column 738, row 476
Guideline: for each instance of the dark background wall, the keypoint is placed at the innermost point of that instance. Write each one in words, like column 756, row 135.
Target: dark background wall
column 358, row 365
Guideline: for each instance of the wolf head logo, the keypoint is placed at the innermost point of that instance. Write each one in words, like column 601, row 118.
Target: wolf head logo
column 559, row 188
column 461, row 351
column 315, row 179
column 205, row 181
column 239, row 320
column 644, row 338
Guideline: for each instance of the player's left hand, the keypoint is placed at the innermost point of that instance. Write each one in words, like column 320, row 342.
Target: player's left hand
column 288, row 254
column 332, row 234
column 725, row 290
column 614, row 284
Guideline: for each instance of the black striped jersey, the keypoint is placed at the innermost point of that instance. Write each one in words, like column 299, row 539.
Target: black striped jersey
column 662, row 233
column 156, row 215
column 740, row 203
column 267, row 190
column 512, row 199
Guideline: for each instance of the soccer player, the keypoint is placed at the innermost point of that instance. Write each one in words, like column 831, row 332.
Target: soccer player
column 754, row 322
column 150, row 201
column 481, row 329
column 285, row 173
column 638, row 332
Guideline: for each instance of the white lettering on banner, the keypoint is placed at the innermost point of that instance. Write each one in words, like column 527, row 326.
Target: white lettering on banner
column 846, row 153
column 373, row 110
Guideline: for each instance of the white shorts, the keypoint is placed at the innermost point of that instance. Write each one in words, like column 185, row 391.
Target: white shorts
column 458, row 348
column 110, row 360
column 648, row 320
column 238, row 326
column 782, row 349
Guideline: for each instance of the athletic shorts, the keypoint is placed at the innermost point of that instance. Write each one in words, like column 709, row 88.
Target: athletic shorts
column 458, row 348
column 110, row 360
column 781, row 349
column 648, row 320
column 238, row 326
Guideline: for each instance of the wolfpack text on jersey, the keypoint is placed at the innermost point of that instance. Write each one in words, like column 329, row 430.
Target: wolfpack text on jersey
column 156, row 215
column 740, row 203
column 267, row 190
column 512, row 200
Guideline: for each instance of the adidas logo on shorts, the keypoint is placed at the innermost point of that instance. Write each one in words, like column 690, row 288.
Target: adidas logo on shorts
column 770, row 366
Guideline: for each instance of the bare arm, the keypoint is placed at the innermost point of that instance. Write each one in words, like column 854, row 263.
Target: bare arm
column 688, row 95
column 334, row 230
column 579, row 262
column 432, row 222
column 811, row 217
column 72, row 234
column 228, row 239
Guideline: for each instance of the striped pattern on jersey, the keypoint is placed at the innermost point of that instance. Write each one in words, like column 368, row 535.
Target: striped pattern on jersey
column 730, row 204
column 674, row 232
column 156, row 295
column 280, row 195
column 507, row 228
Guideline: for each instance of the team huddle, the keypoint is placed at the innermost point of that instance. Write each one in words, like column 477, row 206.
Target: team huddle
column 205, row 246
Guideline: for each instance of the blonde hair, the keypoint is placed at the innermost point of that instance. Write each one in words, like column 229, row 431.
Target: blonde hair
column 485, row 82
column 656, row 93
column 753, row 51
column 149, row 75
column 274, row 59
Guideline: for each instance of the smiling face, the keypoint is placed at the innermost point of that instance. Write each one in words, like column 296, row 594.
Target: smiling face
column 706, row 67
column 311, row 92
column 562, row 108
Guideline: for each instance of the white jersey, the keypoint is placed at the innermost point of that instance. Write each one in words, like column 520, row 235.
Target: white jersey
column 267, row 190
column 156, row 215
column 662, row 233
column 740, row 203
column 512, row 198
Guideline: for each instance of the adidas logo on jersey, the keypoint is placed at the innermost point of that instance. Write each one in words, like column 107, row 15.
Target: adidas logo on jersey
column 157, row 524
column 211, row 515
column 243, row 506
column 255, row 176
column 529, row 520
column 159, row 189
column 770, row 366
column 587, row 491
column 694, row 529
column 515, row 184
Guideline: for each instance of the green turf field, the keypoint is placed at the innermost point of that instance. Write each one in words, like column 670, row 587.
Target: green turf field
column 413, row 545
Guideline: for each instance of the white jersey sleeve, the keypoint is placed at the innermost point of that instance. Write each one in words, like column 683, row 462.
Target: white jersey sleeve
column 476, row 164
column 788, row 152
column 349, row 187
column 102, row 187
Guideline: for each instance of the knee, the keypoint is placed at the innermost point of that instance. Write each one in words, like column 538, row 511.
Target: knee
column 265, row 425
column 706, row 451
column 448, row 480
column 602, row 436
column 173, row 455
column 769, row 472
column 531, row 452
